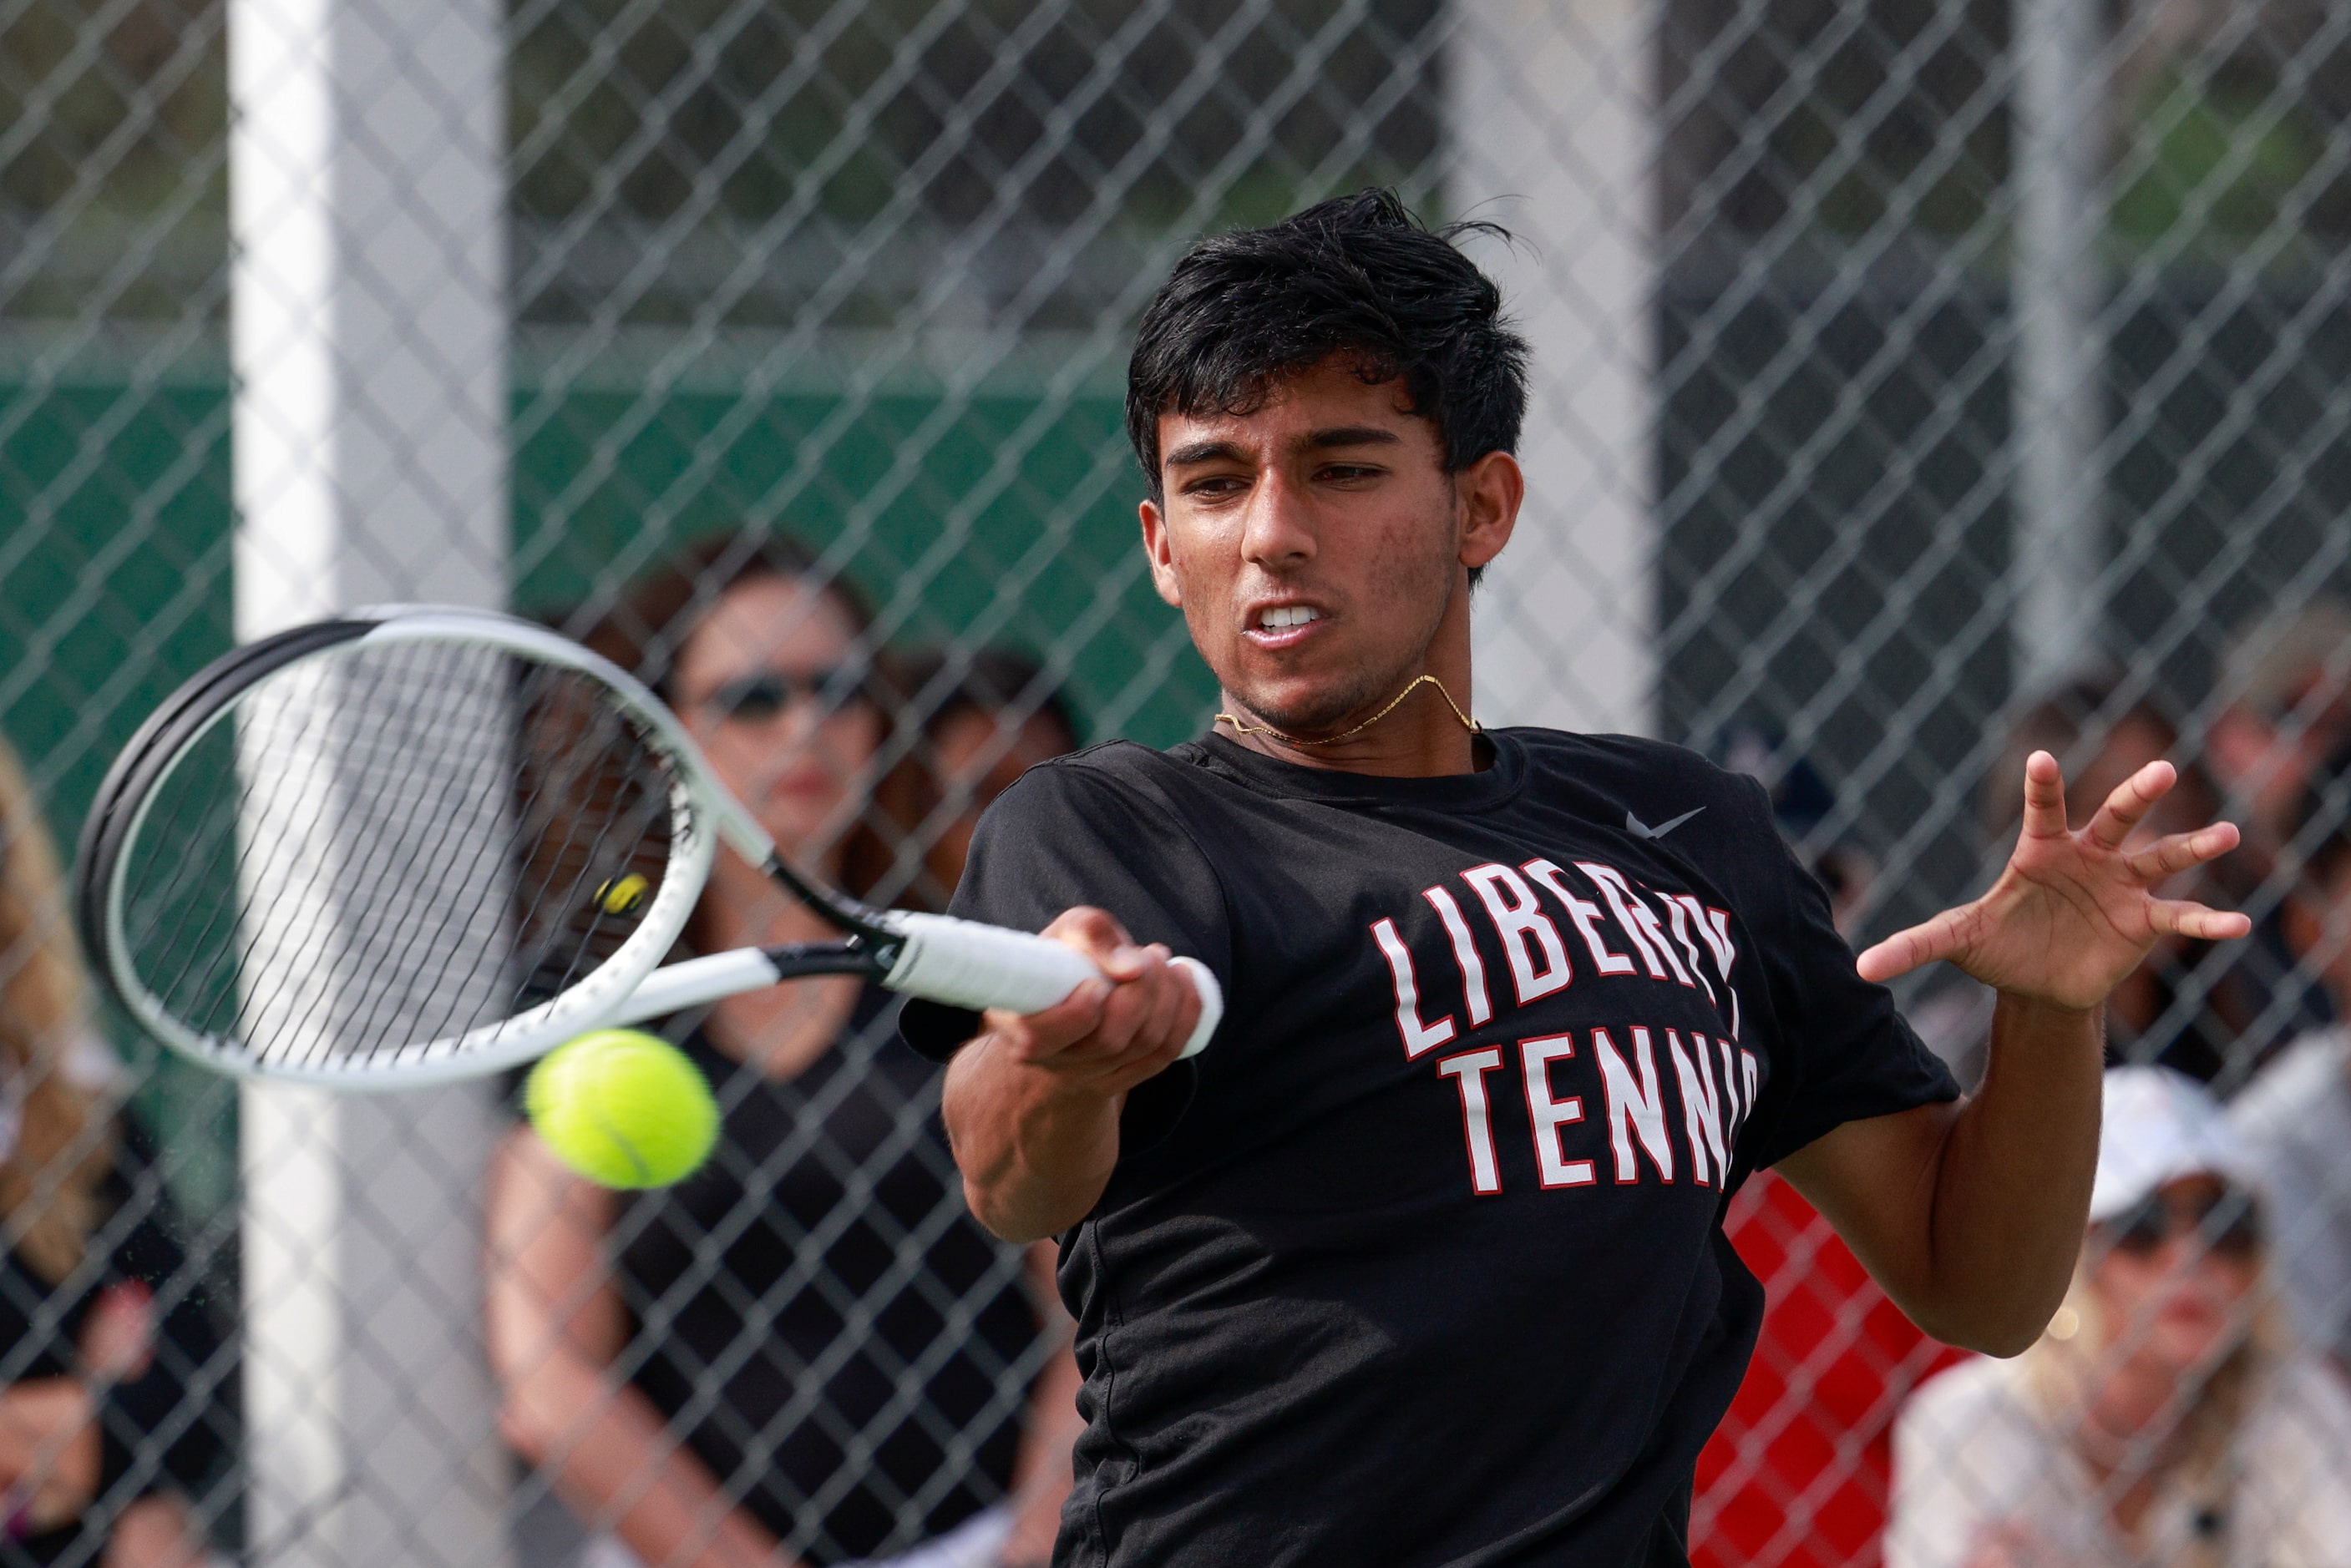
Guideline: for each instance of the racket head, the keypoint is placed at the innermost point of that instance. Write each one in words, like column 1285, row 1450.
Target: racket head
column 406, row 847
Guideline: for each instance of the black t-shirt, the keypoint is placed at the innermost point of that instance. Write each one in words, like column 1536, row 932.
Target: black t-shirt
column 818, row 1316
column 1420, row 1263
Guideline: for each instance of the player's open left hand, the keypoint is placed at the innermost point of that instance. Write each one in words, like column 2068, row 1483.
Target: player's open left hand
column 1111, row 1034
column 2077, row 909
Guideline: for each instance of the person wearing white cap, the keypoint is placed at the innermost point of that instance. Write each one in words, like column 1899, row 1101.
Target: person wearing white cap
column 2166, row 1419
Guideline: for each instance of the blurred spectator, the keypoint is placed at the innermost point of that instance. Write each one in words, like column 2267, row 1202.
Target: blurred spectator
column 988, row 716
column 807, row 1351
column 2289, row 685
column 109, row 1421
column 2165, row 1418
column 1799, row 1473
column 2167, row 1010
column 2296, row 1115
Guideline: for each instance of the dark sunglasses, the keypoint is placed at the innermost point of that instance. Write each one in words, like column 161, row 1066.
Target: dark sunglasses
column 757, row 699
column 2227, row 1225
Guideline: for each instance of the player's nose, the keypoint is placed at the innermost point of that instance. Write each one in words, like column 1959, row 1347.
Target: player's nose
column 1276, row 530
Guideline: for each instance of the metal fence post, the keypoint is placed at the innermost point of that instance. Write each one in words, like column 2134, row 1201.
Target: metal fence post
column 368, row 333
column 2058, row 391
column 1552, row 134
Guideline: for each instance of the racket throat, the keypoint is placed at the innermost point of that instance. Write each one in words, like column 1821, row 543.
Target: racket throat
column 866, row 928
column 874, row 958
column 714, row 977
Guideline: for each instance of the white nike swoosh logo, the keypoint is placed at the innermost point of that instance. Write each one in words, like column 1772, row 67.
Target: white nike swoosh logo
column 1642, row 830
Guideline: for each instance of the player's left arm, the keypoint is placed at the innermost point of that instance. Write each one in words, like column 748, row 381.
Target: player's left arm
column 1971, row 1213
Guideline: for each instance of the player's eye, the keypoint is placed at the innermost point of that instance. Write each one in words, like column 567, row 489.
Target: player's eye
column 1215, row 487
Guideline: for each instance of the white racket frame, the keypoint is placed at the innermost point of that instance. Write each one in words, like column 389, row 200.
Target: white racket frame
column 961, row 963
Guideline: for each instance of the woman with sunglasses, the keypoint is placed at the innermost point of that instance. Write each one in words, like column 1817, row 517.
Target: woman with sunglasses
column 2165, row 1419
column 806, row 1353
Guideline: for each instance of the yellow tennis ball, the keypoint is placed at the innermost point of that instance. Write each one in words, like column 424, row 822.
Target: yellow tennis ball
column 623, row 895
column 624, row 1108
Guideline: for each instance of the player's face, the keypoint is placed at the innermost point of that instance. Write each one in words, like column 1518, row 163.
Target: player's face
column 1318, row 548
column 756, row 685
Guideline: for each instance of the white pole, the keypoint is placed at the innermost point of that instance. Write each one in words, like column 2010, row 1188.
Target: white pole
column 367, row 210
column 2058, row 391
column 1550, row 107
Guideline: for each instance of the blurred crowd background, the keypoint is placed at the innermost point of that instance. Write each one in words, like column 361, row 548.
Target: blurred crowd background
column 1919, row 382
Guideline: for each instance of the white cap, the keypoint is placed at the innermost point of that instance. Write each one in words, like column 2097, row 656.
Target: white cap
column 2159, row 1126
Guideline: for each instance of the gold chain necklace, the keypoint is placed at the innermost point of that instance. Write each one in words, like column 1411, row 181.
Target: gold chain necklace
column 1466, row 721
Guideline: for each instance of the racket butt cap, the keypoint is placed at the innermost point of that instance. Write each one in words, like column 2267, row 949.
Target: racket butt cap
column 1212, row 1005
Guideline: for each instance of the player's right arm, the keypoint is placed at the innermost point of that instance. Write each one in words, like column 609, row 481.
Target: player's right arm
column 1031, row 1104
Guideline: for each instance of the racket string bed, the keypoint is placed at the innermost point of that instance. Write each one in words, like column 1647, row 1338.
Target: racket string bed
column 395, row 749
column 465, row 842
column 286, row 809
column 626, row 838
column 224, row 810
column 403, row 876
column 366, row 758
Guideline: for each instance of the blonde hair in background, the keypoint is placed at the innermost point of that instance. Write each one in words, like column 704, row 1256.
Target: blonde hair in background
column 2064, row 1366
column 49, row 1180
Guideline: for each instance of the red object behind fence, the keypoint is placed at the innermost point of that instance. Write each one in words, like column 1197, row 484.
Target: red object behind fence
column 1798, row 1474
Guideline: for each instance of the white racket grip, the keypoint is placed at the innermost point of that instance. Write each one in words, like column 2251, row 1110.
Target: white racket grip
column 967, row 964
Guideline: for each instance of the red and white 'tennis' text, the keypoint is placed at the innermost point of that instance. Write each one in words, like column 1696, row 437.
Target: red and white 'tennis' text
column 1628, row 929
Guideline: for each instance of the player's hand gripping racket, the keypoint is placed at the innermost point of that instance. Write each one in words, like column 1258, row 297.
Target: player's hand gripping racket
column 423, row 844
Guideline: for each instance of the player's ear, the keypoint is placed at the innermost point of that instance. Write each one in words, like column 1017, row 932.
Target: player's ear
column 1487, row 493
column 1160, row 554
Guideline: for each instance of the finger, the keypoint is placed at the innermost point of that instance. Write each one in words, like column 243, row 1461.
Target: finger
column 1166, row 1027
column 2128, row 806
column 1151, row 995
column 2179, row 917
column 2178, row 852
column 1937, row 940
column 1094, row 932
column 1130, row 1003
column 1042, row 1035
column 2044, row 797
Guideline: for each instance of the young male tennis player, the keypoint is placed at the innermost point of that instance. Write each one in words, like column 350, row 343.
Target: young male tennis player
column 1419, row 1261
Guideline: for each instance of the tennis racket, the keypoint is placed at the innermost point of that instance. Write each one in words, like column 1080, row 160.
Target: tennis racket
column 423, row 844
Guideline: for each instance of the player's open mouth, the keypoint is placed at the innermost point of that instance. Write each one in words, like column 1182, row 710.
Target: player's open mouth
column 1281, row 625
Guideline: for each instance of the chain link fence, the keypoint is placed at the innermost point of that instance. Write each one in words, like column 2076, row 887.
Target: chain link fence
column 1917, row 383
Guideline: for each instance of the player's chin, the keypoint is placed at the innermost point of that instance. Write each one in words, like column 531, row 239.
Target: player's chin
column 1295, row 708
column 1289, row 693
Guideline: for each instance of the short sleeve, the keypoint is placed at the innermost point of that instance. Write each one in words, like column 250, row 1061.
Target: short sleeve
column 1843, row 1052
column 1070, row 833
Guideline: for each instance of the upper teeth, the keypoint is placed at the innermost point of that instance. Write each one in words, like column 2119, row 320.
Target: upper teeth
column 1290, row 615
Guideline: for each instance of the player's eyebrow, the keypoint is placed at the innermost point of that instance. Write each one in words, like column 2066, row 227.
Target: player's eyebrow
column 1318, row 440
column 1204, row 452
column 1351, row 435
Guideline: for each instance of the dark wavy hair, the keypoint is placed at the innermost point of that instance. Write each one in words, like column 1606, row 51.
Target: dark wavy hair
column 1359, row 277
